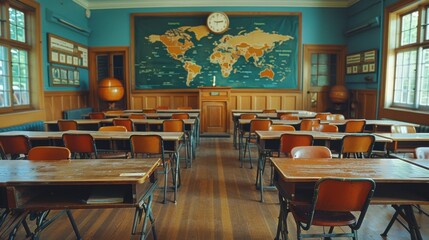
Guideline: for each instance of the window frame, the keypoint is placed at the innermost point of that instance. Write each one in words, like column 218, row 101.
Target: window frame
column 391, row 40
column 32, row 46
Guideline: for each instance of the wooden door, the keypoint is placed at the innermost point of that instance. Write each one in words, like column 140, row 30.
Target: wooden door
column 108, row 62
column 323, row 68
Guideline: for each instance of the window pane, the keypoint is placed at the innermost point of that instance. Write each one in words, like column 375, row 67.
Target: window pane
column 17, row 25
column 404, row 91
column 409, row 29
column 20, row 77
column 4, row 78
column 424, row 79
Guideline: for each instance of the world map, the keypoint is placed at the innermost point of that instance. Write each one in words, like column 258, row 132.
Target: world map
column 188, row 56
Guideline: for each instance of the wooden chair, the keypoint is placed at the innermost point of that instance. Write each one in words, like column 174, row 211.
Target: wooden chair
column 282, row 128
column 289, row 141
column 269, row 111
column 322, row 116
column 153, row 146
column 333, row 117
column 81, row 145
column 97, row 115
column 112, row 149
column 66, row 125
column 359, row 146
column 149, row 110
column 355, row 126
column 335, row 203
column 180, row 116
column 255, row 125
column 421, row 153
column 310, row 124
column 288, row 116
column 126, row 122
column 328, row 128
column 177, row 125
column 137, row 116
column 15, row 146
column 162, row 107
column 49, row 153
column 311, row 152
column 184, row 108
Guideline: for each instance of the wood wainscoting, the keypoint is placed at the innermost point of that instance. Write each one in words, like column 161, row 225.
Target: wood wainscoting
column 364, row 103
column 57, row 102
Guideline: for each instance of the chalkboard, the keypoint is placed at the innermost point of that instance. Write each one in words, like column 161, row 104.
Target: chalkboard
column 177, row 51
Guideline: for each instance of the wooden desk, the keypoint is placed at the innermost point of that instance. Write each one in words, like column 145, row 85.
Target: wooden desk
column 398, row 182
column 405, row 142
column 269, row 141
column 41, row 185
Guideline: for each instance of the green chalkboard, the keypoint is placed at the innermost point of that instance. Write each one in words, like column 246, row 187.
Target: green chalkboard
column 179, row 52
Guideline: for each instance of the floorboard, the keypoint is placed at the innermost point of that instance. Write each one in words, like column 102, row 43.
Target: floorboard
column 217, row 200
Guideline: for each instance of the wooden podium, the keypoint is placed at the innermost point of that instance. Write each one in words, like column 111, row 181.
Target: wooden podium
column 214, row 105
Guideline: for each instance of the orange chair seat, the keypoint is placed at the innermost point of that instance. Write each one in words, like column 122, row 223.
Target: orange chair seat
column 323, row 218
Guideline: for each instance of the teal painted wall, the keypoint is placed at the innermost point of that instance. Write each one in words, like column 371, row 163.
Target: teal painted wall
column 73, row 13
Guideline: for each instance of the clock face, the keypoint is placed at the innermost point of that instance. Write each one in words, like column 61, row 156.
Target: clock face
column 218, row 22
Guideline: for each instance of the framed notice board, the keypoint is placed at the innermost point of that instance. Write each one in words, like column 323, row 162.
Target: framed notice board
column 362, row 62
column 66, row 52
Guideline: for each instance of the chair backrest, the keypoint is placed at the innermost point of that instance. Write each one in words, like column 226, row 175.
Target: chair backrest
column 343, row 195
column 97, row 115
column 146, row 145
column 184, row 108
column 65, row 125
column 288, row 116
column 115, row 112
column 113, row 129
column 322, row 116
column 310, row 124
column 357, row 145
column 355, row 126
column 49, row 153
column 248, row 116
column 162, row 107
column 15, row 145
column 421, row 152
column 126, row 122
column 260, row 125
column 179, row 116
column 289, row 141
column 328, row 128
column 149, row 110
column 173, row 125
column 311, row 152
column 282, row 128
column 137, row 116
column 336, row 116
column 80, row 144
column 269, row 111
column 402, row 129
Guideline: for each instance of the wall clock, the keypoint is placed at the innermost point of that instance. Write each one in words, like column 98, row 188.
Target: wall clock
column 218, row 22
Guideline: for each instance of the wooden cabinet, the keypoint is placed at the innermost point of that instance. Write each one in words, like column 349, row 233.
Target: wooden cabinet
column 214, row 104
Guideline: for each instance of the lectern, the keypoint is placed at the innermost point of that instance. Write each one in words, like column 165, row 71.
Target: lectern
column 214, row 105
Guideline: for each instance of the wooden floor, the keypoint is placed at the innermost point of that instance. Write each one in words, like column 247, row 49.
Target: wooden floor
column 217, row 200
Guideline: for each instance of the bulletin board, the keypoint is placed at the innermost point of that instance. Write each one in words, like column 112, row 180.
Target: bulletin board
column 361, row 62
column 66, row 52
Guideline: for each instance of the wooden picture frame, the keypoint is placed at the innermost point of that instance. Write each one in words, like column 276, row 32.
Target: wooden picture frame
column 65, row 52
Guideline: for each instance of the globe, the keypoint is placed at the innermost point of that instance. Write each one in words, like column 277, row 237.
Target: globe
column 110, row 89
column 339, row 94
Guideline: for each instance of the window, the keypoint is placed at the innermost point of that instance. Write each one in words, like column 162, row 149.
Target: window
column 17, row 49
column 411, row 58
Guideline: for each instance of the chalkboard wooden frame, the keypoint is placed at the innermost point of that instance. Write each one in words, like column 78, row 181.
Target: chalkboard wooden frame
column 139, row 83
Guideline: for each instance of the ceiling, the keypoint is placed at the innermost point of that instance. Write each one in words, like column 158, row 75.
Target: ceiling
column 114, row 4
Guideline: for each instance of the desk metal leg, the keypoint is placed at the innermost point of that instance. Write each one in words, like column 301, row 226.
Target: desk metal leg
column 282, row 232
column 406, row 212
column 145, row 206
